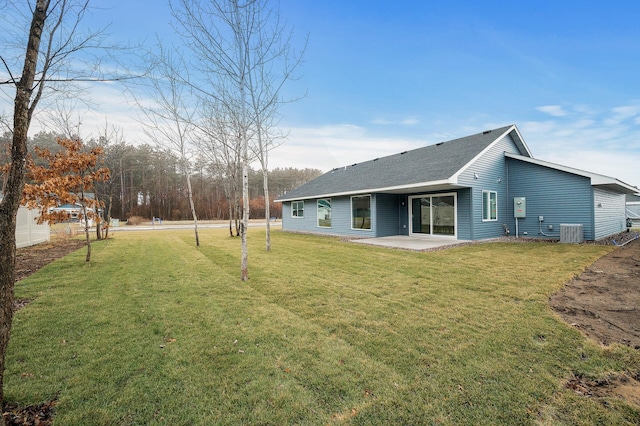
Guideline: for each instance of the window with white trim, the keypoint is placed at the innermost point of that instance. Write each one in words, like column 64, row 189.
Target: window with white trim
column 324, row 212
column 361, row 212
column 297, row 209
column 489, row 205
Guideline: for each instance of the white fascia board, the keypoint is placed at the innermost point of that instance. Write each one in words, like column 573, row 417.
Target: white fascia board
column 558, row 167
column 524, row 144
column 596, row 179
column 373, row 190
column 455, row 176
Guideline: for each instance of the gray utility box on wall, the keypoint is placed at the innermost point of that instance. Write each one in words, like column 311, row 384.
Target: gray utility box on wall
column 519, row 207
column 571, row 233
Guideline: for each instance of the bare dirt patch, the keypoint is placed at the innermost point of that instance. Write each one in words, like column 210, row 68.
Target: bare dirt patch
column 602, row 303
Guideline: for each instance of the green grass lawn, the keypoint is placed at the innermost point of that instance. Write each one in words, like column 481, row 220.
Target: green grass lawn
column 157, row 331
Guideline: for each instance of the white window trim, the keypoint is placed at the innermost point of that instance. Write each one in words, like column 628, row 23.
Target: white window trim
column 297, row 217
column 488, row 193
column 436, row 194
column 370, row 229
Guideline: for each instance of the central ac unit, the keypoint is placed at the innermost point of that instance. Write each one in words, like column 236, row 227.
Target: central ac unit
column 571, row 233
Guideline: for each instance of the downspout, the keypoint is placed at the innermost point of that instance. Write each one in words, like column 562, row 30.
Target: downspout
column 506, row 179
column 615, row 243
column 593, row 212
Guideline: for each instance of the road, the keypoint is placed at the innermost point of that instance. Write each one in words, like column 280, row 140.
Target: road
column 168, row 225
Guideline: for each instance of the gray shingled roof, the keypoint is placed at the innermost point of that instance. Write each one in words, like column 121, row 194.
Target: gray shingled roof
column 428, row 164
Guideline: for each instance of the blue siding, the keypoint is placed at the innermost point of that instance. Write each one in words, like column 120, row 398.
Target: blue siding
column 559, row 196
column 609, row 213
column 340, row 218
column 403, row 225
column 308, row 223
column 388, row 209
column 491, row 172
column 465, row 222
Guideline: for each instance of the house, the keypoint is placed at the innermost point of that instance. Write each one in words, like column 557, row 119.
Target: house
column 74, row 211
column 472, row 188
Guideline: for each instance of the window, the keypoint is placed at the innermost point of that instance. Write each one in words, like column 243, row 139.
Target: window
column 297, row 209
column 361, row 212
column 489, row 205
column 324, row 212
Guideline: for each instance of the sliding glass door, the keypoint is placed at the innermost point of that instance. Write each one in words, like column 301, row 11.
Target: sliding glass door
column 433, row 214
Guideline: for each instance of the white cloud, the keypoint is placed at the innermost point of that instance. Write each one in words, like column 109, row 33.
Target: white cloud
column 598, row 142
column 623, row 113
column 553, row 110
column 332, row 146
column 408, row 121
column 604, row 140
column 583, row 141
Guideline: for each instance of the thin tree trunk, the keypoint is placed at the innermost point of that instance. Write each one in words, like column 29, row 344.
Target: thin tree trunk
column 237, row 214
column 15, row 183
column 193, row 210
column 242, row 66
column 86, row 232
column 230, row 203
column 267, row 207
column 98, row 223
column 123, row 207
column 245, row 220
column 108, row 217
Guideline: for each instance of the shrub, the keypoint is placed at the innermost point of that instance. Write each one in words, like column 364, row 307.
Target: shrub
column 135, row 220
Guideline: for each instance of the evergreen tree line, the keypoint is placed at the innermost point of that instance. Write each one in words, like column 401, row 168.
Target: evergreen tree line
column 146, row 181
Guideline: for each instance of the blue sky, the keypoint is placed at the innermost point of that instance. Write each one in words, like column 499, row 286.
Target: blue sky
column 382, row 77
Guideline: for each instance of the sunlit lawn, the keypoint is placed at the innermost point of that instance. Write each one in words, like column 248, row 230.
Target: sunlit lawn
column 157, row 331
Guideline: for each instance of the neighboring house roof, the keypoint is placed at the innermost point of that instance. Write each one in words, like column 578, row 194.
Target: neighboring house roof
column 430, row 166
column 68, row 206
column 602, row 181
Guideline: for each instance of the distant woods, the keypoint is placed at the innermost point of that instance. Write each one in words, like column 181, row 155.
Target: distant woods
column 147, row 181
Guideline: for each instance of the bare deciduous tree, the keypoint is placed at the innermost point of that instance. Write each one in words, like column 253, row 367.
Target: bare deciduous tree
column 170, row 121
column 239, row 44
column 219, row 144
column 24, row 105
column 273, row 64
column 44, row 61
column 111, row 139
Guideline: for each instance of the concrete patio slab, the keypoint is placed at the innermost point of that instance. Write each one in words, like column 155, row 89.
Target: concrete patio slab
column 410, row 243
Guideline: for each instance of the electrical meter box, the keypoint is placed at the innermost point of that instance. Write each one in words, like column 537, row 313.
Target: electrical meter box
column 519, row 207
